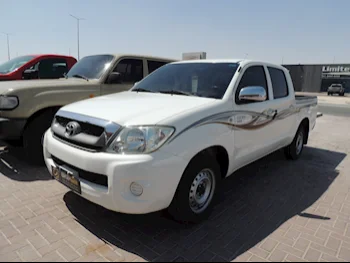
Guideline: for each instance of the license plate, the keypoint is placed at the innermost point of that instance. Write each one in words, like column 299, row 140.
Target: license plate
column 67, row 177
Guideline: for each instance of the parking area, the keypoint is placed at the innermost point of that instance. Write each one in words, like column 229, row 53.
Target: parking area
column 272, row 210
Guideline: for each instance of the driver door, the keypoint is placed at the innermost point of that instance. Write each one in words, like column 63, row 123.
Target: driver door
column 252, row 141
column 131, row 70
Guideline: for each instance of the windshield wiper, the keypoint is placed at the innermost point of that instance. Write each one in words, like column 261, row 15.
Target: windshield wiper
column 142, row 90
column 80, row 76
column 176, row 92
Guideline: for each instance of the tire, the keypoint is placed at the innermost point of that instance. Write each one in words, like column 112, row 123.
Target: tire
column 295, row 149
column 33, row 134
column 200, row 168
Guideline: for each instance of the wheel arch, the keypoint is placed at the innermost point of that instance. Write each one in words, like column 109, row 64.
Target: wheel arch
column 219, row 153
column 305, row 123
column 52, row 110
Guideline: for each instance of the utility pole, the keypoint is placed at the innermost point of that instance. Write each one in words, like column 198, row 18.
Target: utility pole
column 78, row 20
column 8, row 45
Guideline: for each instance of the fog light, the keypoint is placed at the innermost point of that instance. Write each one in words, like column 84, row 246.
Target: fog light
column 136, row 189
column 55, row 172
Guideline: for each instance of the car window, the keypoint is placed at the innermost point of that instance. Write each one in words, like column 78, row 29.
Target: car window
column 131, row 70
column 253, row 76
column 279, row 83
column 154, row 65
column 209, row 80
column 52, row 68
column 91, row 67
column 14, row 64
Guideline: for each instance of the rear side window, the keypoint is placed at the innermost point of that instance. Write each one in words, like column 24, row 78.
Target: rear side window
column 279, row 83
column 253, row 76
column 130, row 69
column 154, row 65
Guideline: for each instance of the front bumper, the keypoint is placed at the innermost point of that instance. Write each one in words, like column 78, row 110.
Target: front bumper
column 158, row 173
column 11, row 128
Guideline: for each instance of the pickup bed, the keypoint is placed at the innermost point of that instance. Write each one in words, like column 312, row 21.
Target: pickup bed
column 169, row 142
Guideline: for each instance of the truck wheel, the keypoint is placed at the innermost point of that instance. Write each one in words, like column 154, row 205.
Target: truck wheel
column 194, row 198
column 33, row 134
column 295, row 149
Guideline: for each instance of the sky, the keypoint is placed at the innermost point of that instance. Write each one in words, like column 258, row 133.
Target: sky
column 298, row 31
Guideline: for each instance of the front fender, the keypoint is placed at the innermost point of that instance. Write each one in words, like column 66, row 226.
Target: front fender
column 32, row 101
column 196, row 139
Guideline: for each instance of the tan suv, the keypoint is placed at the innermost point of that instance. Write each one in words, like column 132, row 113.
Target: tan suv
column 27, row 107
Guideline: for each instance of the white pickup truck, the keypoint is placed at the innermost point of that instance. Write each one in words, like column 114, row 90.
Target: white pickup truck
column 169, row 141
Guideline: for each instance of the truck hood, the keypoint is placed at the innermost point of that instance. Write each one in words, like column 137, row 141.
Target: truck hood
column 132, row 108
column 12, row 86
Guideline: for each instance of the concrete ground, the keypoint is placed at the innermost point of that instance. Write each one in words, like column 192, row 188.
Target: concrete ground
column 272, row 210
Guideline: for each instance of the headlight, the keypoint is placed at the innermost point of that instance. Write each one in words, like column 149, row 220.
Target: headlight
column 140, row 139
column 8, row 102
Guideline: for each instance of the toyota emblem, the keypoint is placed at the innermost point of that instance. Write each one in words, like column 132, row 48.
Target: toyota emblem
column 72, row 128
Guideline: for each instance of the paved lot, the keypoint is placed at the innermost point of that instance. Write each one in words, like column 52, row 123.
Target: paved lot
column 272, row 210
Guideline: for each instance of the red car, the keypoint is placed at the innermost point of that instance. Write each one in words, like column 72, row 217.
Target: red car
column 36, row 67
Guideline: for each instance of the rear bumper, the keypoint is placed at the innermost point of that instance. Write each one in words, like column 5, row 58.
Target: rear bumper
column 336, row 91
column 11, row 128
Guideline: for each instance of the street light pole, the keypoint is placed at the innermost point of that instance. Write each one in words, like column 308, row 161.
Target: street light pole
column 78, row 21
column 8, row 45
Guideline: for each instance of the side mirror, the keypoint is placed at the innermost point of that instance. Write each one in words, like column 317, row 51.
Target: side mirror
column 253, row 93
column 114, row 78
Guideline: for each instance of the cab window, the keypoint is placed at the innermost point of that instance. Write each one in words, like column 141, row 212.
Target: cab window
column 131, row 70
column 253, row 76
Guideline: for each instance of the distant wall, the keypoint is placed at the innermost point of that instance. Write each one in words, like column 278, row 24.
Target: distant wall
column 317, row 78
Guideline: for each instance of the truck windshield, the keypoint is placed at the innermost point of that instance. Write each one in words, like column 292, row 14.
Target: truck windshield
column 91, row 67
column 14, row 64
column 202, row 79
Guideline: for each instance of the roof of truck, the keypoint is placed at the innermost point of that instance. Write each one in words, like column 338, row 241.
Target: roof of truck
column 55, row 55
column 211, row 61
column 134, row 55
column 239, row 61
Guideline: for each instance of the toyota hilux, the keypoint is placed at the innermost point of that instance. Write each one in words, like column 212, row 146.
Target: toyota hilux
column 168, row 142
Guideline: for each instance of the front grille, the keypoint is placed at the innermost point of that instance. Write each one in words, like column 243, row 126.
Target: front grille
column 98, row 179
column 89, row 133
column 79, row 145
column 86, row 128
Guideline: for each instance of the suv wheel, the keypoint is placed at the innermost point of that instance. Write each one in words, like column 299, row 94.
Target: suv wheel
column 295, row 149
column 194, row 198
column 33, row 135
